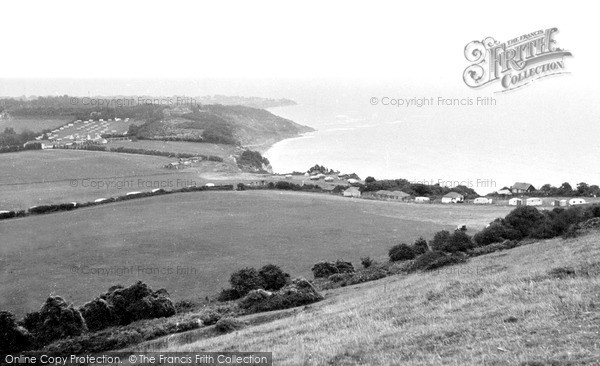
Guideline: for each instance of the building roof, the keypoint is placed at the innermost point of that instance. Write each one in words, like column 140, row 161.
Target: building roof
column 454, row 195
column 352, row 189
column 522, row 186
column 399, row 194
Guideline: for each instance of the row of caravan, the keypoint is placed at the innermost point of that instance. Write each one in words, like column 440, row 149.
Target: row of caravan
column 535, row 201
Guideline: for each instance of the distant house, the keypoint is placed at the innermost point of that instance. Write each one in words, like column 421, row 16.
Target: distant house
column 504, row 191
column 422, row 199
column 515, row 202
column 328, row 179
column 352, row 192
column 563, row 203
column 576, row 201
column 399, row 195
column 453, row 197
column 518, row 188
column 353, row 181
column 534, row 201
column 482, row 201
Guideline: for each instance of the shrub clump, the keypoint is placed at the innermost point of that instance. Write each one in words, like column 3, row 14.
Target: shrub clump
column 496, row 232
column 325, row 269
column 98, row 314
column 366, row 262
column 210, row 316
column 298, row 292
column 228, row 324
column 55, row 320
column 136, row 302
column 246, row 280
column 13, row 337
column 273, row 277
column 228, row 294
column 436, row 259
column 420, row 246
column 458, row 241
column 401, row 252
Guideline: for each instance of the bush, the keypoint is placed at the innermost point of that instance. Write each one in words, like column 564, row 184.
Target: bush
column 210, row 316
column 273, row 277
column 496, row 232
column 440, row 240
column 458, row 241
column 98, row 314
column 366, row 262
column 298, row 292
column 246, row 280
column 436, row 259
column 401, row 252
column 138, row 302
column 229, row 324
column 325, row 269
column 420, row 246
column 524, row 219
column 13, row 338
column 55, row 320
column 228, row 294
column 494, row 247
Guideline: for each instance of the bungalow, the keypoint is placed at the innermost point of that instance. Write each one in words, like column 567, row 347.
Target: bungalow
column 534, row 201
column 453, row 197
column 515, row 202
column 399, row 195
column 352, row 192
column 422, row 199
column 482, row 201
column 522, row 188
column 576, row 201
column 504, row 191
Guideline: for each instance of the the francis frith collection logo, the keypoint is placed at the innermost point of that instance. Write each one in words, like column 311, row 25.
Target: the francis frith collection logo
column 514, row 63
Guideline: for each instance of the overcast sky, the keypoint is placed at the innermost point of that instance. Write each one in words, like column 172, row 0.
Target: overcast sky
column 417, row 42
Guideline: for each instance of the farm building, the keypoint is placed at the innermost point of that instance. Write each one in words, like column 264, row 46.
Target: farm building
column 534, row 201
column 515, row 202
column 576, row 201
column 399, row 195
column 352, row 192
column 453, row 197
column 482, row 201
column 504, row 191
column 422, row 199
column 518, row 188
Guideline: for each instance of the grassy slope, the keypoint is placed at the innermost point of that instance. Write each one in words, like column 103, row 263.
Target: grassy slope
column 211, row 233
column 498, row 309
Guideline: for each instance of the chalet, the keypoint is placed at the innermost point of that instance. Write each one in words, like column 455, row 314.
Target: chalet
column 534, row 201
column 453, row 197
column 352, row 192
column 482, row 201
column 399, row 195
column 505, row 191
column 519, row 188
column 515, row 202
column 576, row 201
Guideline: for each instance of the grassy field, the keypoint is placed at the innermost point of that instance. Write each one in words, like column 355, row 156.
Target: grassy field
column 35, row 124
column 221, row 150
column 190, row 243
column 55, row 176
column 504, row 308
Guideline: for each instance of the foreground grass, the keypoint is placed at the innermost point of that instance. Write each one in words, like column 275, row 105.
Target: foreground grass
column 505, row 308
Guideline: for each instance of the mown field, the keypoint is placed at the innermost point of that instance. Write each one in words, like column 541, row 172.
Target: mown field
column 515, row 307
column 205, row 149
column 189, row 243
column 55, row 176
column 35, row 124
